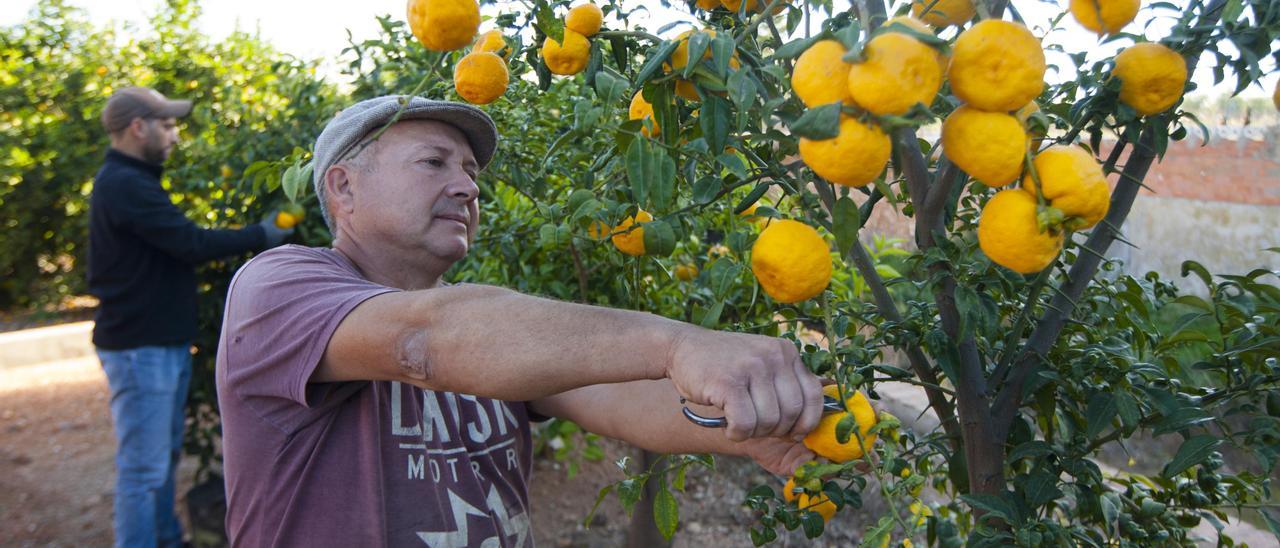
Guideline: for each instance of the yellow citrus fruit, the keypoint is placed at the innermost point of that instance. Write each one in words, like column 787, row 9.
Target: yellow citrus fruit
column 1152, row 77
column 791, row 261
column 686, row 272
column 101, row 71
column 1009, row 233
column 480, row 77
column 997, row 66
column 290, row 215
column 818, row 503
column 708, row 4
column 909, row 22
column 631, row 242
column 919, row 26
column 944, row 12
column 598, row 230
column 822, row 439
column 736, row 5
column 567, row 59
column 1073, row 182
column 493, row 42
column 897, row 72
column 1115, row 14
column 1275, row 95
column 820, row 77
column 989, row 146
column 444, row 25
column 641, row 110
column 226, row 171
column 285, row 220
column 584, row 19
column 855, row 157
column 717, row 251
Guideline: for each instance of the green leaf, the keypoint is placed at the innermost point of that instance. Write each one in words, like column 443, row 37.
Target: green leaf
column 993, row 505
column 706, row 189
column 1127, row 409
column 639, row 170
column 1272, row 523
column 751, row 197
column 1199, row 270
column 659, row 56
column 551, row 25
column 586, row 522
column 1110, row 503
column 1040, row 489
column 698, row 42
column 1033, row 448
column 1193, row 451
column 875, row 537
column 629, row 492
column 666, row 512
column 742, row 90
column 734, row 164
column 721, row 53
column 844, row 428
column 1098, row 414
column 794, row 48
column 714, row 119
column 818, row 123
column 659, row 238
column 609, row 87
column 846, row 219
column 290, row 182
column 1180, row 419
column 812, row 524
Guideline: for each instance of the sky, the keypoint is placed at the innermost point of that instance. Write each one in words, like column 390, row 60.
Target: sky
column 307, row 30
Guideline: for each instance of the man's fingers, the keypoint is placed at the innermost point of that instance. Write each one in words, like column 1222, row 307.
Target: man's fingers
column 765, row 399
column 811, row 388
column 791, row 402
column 740, row 411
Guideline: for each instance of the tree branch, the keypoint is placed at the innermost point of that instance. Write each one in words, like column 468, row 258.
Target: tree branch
column 1082, row 272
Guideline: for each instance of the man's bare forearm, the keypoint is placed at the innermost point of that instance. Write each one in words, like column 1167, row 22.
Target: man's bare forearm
column 493, row 342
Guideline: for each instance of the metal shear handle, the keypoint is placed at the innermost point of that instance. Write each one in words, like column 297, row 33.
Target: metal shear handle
column 829, row 405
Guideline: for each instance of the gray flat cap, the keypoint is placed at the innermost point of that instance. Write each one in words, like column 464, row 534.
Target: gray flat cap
column 350, row 126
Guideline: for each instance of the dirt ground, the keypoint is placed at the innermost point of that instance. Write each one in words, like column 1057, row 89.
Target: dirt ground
column 56, row 451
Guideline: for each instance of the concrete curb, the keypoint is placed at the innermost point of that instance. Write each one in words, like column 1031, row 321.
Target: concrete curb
column 46, row 344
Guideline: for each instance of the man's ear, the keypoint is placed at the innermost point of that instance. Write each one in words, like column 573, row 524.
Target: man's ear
column 339, row 189
column 138, row 128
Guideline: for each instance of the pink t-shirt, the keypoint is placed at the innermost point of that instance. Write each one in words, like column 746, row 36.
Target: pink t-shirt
column 369, row 463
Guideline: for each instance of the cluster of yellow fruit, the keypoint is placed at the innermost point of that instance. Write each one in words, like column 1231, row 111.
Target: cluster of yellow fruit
column 570, row 55
column 481, row 76
column 1152, row 76
column 823, row 442
column 736, row 5
column 897, row 72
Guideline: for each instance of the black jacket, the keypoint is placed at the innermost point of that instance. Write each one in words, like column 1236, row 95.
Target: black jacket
column 142, row 257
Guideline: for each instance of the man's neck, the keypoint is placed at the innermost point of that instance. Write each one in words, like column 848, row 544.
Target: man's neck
column 395, row 273
column 131, row 150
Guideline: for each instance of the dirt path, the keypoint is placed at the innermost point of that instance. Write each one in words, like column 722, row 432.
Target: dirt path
column 56, row 448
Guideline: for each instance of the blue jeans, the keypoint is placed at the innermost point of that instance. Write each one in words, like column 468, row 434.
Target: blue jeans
column 148, row 397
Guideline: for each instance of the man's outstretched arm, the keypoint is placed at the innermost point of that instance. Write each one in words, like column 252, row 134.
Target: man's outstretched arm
column 492, row 342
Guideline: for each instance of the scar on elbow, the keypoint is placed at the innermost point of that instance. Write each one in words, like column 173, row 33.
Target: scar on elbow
column 411, row 354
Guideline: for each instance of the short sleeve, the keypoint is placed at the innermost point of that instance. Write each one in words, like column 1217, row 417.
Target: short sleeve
column 282, row 308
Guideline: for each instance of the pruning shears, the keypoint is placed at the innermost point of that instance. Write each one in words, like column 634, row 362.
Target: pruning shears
column 829, row 405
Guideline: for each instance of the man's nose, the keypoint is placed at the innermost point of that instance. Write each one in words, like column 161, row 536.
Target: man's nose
column 464, row 187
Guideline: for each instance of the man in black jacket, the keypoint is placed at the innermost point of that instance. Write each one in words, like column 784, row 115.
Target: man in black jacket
column 142, row 257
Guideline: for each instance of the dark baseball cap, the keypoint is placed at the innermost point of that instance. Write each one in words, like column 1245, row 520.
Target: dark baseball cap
column 140, row 102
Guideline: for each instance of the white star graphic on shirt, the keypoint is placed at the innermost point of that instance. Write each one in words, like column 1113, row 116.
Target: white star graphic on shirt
column 517, row 525
column 458, row 538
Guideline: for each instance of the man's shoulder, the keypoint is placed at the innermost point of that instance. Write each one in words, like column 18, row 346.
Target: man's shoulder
column 294, row 258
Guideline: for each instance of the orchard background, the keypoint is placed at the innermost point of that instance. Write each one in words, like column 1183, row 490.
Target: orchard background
column 1038, row 384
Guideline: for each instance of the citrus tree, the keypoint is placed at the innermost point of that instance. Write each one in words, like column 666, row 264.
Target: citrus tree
column 724, row 175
